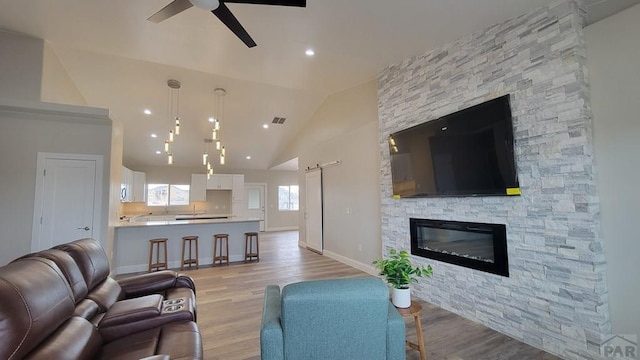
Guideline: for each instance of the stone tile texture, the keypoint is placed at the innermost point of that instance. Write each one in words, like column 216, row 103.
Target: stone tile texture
column 556, row 296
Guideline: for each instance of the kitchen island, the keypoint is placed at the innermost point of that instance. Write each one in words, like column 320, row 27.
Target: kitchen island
column 131, row 245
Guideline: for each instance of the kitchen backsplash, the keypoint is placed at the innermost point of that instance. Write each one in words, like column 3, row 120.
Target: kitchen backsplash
column 218, row 202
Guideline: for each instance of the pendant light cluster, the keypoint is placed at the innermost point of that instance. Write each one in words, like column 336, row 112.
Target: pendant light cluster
column 219, row 94
column 173, row 110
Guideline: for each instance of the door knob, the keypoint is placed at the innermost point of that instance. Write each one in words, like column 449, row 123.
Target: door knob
column 86, row 228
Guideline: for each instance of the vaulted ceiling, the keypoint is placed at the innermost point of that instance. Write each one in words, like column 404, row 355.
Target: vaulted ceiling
column 120, row 61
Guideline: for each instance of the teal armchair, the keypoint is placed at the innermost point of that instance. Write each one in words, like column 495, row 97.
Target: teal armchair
column 336, row 319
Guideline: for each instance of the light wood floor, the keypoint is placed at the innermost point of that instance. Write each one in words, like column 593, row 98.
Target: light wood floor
column 230, row 308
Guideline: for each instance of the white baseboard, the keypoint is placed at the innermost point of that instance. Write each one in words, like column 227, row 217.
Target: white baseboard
column 369, row 269
column 283, row 228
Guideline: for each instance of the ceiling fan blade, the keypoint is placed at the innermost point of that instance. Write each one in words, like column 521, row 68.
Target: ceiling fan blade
column 300, row 3
column 174, row 8
column 224, row 14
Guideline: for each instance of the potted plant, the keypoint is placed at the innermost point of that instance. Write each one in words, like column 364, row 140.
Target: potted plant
column 400, row 273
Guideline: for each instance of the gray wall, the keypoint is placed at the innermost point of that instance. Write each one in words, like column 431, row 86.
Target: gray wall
column 345, row 128
column 20, row 66
column 27, row 132
column 555, row 297
column 29, row 70
column 613, row 58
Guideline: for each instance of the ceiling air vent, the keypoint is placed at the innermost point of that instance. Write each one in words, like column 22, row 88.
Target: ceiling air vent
column 278, row 120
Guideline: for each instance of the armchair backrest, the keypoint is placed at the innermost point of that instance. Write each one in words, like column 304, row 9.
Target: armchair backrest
column 335, row 319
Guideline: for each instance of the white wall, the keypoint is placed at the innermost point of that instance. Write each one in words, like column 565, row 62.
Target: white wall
column 613, row 58
column 20, row 66
column 57, row 85
column 345, row 128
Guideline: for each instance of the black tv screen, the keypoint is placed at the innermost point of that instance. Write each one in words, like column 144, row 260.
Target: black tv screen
column 467, row 153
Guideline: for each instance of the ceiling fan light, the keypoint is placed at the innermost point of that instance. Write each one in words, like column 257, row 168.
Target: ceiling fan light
column 206, row 4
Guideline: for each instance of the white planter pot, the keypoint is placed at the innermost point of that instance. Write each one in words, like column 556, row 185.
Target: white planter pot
column 401, row 298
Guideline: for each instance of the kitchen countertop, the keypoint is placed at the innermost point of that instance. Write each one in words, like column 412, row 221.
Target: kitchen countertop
column 126, row 224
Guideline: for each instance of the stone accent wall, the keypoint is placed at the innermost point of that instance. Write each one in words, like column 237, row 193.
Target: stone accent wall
column 556, row 297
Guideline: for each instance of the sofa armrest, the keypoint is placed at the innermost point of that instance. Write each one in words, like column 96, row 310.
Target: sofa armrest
column 155, row 282
column 271, row 340
column 396, row 335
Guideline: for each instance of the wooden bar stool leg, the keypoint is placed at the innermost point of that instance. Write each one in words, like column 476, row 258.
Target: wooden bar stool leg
column 184, row 243
column 150, row 255
column 166, row 255
column 215, row 250
column 226, row 248
column 197, row 257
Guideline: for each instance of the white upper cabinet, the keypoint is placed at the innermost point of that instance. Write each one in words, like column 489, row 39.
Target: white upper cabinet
column 198, row 190
column 126, row 185
column 220, row 182
column 133, row 187
column 139, row 188
column 238, row 206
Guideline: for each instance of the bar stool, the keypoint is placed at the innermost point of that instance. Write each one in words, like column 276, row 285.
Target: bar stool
column 249, row 238
column 157, row 265
column 221, row 241
column 188, row 241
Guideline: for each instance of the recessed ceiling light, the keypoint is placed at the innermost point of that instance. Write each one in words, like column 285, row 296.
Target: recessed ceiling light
column 266, row 126
column 154, row 135
column 158, row 152
column 147, row 111
column 211, row 119
column 310, row 52
column 248, row 157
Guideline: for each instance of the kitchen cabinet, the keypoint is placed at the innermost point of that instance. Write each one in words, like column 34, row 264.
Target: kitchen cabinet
column 198, row 189
column 220, row 182
column 133, row 186
column 237, row 196
column 139, row 187
column 126, row 185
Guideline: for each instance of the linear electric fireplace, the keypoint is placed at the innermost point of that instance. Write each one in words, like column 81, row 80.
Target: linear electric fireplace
column 477, row 246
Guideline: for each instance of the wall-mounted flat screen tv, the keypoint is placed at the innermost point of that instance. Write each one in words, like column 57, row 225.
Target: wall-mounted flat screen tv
column 467, row 153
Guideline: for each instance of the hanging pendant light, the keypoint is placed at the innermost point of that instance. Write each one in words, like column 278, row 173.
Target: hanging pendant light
column 173, row 110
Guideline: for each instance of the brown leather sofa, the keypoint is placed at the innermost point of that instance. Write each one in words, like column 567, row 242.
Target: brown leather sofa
column 61, row 304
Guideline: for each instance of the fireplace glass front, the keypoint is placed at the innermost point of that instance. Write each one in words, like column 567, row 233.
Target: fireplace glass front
column 478, row 246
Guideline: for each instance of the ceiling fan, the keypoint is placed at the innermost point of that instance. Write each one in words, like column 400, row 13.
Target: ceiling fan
column 219, row 9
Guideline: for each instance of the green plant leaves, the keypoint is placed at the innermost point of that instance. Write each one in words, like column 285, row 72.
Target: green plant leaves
column 398, row 270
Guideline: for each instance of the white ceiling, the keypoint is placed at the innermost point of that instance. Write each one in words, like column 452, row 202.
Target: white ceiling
column 122, row 62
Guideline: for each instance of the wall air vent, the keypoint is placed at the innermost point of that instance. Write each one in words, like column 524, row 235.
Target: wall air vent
column 278, row 120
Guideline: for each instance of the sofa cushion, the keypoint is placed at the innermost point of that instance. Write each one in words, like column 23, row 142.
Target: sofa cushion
column 35, row 300
column 77, row 338
column 91, row 259
column 179, row 340
column 70, row 270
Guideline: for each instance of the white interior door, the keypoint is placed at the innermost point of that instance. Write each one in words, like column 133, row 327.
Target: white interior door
column 313, row 210
column 255, row 198
column 67, row 199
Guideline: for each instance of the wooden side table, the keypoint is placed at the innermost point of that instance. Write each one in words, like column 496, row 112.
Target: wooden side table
column 415, row 310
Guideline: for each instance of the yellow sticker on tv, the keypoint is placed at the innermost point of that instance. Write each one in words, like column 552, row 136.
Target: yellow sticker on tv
column 513, row 191
column 396, row 196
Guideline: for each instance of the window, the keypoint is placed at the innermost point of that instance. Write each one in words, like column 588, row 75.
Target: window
column 167, row 195
column 288, row 198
